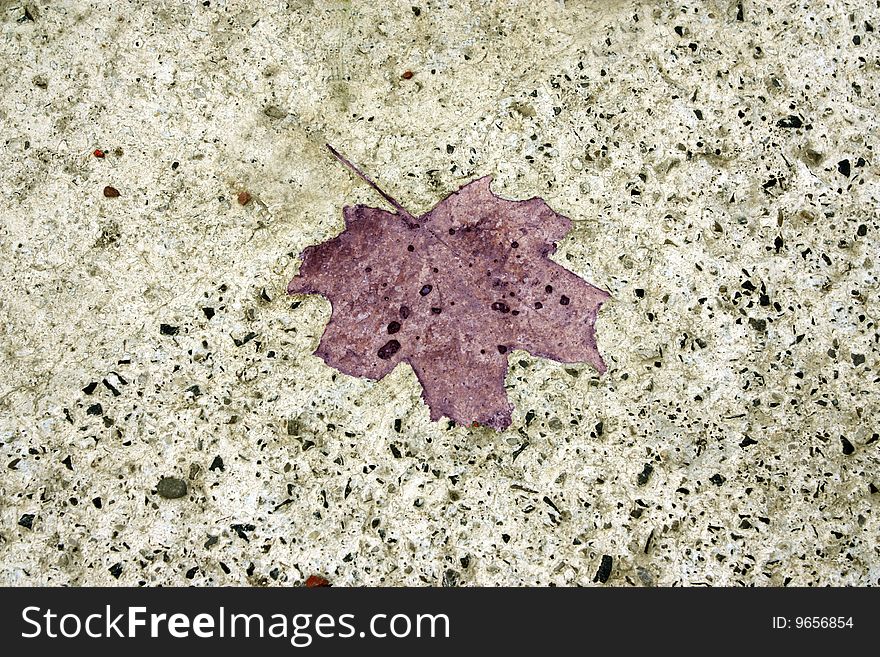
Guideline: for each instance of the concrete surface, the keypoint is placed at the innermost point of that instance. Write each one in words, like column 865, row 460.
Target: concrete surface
column 719, row 159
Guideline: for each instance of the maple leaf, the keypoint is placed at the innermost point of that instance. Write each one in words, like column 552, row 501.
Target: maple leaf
column 451, row 292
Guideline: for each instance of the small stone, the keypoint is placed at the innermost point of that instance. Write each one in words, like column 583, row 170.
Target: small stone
column 847, row 446
column 171, row 488
column 316, row 581
column 717, row 479
column 450, row 578
column 167, row 329
column 116, row 570
column 791, row 121
column 242, row 529
column 217, row 464
column 27, row 521
column 111, row 192
column 274, row 112
column 645, row 474
column 604, row 571
column 244, row 198
column 843, row 168
column 858, row 359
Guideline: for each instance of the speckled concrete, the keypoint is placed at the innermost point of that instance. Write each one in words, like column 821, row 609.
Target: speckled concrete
column 718, row 158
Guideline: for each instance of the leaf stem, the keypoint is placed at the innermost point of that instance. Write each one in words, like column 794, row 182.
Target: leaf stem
column 394, row 202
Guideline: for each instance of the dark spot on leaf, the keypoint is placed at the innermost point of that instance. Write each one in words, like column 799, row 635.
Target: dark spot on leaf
column 388, row 349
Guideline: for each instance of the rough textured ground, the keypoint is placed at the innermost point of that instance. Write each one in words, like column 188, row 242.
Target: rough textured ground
column 720, row 163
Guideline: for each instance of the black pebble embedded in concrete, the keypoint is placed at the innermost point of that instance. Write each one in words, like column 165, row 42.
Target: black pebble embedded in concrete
column 242, row 529
column 167, row 329
column 450, row 578
column 27, row 521
column 604, row 571
column 171, row 488
column 791, row 121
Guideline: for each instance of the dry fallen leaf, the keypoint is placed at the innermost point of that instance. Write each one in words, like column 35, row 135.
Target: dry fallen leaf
column 451, row 292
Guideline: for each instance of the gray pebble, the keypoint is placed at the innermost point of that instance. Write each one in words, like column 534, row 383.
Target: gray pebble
column 171, row 487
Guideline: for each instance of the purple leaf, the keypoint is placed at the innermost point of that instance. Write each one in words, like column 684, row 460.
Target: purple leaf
column 451, row 292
